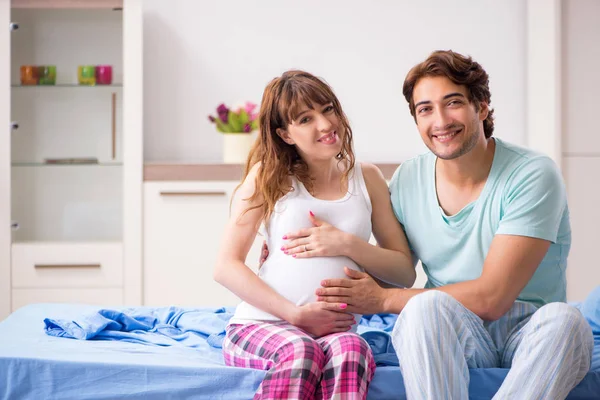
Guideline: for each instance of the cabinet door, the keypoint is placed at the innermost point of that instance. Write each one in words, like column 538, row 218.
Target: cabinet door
column 183, row 228
column 66, row 151
column 5, row 220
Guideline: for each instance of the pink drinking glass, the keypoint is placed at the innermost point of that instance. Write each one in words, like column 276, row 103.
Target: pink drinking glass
column 103, row 75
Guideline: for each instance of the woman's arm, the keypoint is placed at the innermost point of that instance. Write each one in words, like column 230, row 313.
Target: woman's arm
column 232, row 272
column 390, row 261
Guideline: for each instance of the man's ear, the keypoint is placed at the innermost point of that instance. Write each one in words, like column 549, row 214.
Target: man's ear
column 285, row 136
column 484, row 110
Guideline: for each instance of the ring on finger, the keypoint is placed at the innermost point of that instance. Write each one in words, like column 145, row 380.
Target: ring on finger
column 305, row 248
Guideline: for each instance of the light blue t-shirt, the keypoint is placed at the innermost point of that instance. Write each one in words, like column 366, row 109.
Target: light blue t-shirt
column 524, row 195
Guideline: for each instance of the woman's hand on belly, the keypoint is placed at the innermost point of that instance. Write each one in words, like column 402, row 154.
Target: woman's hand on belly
column 320, row 318
column 322, row 240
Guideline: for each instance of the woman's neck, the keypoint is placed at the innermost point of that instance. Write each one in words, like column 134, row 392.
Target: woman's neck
column 327, row 179
column 326, row 173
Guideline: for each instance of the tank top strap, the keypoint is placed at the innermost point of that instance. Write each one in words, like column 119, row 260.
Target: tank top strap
column 359, row 187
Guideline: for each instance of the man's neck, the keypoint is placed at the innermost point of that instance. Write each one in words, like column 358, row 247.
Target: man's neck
column 470, row 169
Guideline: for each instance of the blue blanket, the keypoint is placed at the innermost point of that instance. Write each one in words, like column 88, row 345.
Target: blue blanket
column 590, row 309
column 168, row 326
column 174, row 326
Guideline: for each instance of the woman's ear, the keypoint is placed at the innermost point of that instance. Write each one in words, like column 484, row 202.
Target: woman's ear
column 285, row 136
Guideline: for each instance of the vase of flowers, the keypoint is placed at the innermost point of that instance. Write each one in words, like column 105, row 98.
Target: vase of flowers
column 238, row 125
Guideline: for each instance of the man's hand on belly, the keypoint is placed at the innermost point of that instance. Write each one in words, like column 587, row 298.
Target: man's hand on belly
column 362, row 294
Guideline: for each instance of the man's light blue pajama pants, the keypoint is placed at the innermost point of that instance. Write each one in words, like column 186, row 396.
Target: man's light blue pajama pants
column 437, row 339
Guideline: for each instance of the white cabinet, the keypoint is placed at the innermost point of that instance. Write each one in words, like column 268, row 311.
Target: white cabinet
column 183, row 228
column 70, row 157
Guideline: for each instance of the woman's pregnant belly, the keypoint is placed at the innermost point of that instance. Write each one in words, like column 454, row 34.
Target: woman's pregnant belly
column 298, row 279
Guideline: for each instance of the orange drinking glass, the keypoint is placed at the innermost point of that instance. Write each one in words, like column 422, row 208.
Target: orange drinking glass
column 29, row 75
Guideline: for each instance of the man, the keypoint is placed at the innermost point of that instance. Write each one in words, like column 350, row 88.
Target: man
column 490, row 223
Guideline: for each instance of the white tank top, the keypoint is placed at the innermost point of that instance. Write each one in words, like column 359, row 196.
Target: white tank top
column 297, row 279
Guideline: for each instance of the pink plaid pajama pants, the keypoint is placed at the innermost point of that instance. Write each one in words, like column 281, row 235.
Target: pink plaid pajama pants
column 336, row 366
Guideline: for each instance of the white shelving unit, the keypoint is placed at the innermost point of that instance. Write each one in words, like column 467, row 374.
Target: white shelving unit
column 79, row 225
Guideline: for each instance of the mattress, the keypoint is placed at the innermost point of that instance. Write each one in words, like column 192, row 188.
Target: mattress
column 34, row 365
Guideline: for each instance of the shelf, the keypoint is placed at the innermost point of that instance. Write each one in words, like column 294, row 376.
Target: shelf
column 67, row 85
column 41, row 164
column 109, row 4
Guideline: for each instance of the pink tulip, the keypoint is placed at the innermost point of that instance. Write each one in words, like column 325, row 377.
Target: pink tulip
column 250, row 107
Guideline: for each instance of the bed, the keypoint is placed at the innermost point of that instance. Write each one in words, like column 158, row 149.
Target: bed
column 174, row 353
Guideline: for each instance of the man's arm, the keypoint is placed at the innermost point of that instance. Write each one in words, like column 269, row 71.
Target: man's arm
column 510, row 264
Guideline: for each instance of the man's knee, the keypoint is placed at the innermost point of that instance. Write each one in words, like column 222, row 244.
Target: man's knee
column 422, row 307
column 568, row 329
column 431, row 301
column 565, row 318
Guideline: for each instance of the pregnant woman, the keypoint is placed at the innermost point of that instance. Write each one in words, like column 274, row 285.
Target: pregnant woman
column 302, row 166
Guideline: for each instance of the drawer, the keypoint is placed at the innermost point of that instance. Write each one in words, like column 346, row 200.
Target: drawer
column 67, row 265
column 99, row 297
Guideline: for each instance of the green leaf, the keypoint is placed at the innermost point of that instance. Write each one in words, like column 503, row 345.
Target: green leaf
column 244, row 118
column 221, row 126
column 235, row 122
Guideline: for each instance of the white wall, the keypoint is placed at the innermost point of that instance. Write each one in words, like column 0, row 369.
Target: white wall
column 200, row 53
column 543, row 118
column 581, row 140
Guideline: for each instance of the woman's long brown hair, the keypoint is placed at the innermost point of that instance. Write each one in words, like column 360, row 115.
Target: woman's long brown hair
column 282, row 100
